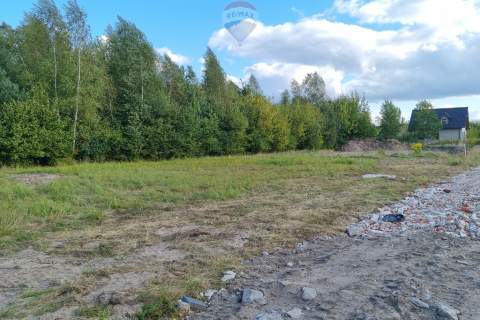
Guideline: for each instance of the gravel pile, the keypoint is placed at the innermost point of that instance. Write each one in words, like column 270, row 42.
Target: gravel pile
column 451, row 207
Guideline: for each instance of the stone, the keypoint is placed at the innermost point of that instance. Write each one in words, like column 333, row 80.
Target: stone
column 194, row 303
column 290, row 264
column 265, row 253
column 269, row 315
column 250, row 296
column 419, row 303
column 447, row 312
column 228, row 276
column 355, row 230
column 183, row 306
column 209, row 294
column 379, row 176
column 109, row 298
column 308, row 293
column 295, row 313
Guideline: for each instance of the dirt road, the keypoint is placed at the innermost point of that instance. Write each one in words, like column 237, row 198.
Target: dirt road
column 418, row 273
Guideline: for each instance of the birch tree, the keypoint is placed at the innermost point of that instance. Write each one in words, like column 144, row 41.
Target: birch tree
column 79, row 37
column 47, row 12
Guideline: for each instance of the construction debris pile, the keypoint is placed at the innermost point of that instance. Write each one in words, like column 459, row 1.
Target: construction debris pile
column 449, row 207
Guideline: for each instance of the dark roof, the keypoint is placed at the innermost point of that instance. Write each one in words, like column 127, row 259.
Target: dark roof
column 457, row 118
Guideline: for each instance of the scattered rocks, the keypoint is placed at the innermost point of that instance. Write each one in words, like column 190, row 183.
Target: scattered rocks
column 450, row 207
column 379, row 176
column 228, row 276
column 269, row 315
column 194, row 304
column 447, row 312
column 209, row 294
column 308, row 293
column 295, row 313
column 419, row 303
column 356, row 230
column 250, row 296
column 183, row 306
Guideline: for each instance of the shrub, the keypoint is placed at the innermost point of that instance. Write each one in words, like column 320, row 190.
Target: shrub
column 417, row 148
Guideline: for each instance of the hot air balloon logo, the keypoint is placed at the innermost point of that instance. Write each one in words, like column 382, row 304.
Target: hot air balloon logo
column 240, row 19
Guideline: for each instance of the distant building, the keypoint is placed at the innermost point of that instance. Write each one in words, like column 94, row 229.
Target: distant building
column 454, row 121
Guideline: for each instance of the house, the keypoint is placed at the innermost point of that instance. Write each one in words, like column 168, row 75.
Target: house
column 454, row 122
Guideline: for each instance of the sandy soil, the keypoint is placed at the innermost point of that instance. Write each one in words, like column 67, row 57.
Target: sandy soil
column 415, row 274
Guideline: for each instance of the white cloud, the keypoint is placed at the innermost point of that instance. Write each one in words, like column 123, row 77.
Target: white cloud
column 275, row 77
column 448, row 18
column 177, row 58
column 103, row 38
column 235, row 80
column 430, row 49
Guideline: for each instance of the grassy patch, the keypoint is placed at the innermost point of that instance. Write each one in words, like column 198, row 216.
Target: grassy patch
column 159, row 306
column 96, row 312
column 208, row 213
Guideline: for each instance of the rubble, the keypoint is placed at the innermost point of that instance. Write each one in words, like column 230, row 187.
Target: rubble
column 228, row 276
column 433, row 209
column 308, row 293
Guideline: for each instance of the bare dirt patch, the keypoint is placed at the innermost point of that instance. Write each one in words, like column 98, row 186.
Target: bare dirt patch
column 394, row 272
column 33, row 179
column 366, row 145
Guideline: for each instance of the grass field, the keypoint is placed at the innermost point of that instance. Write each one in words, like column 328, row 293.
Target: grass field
column 209, row 213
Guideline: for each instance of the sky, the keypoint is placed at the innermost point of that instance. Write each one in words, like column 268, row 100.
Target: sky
column 401, row 50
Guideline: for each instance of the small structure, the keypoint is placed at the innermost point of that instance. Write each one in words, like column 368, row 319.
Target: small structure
column 454, row 121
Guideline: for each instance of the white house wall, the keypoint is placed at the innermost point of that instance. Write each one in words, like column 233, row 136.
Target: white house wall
column 452, row 134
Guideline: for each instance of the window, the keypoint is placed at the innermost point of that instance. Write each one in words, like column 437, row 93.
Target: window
column 444, row 121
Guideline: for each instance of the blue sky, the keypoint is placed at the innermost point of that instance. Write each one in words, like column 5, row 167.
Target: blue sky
column 404, row 50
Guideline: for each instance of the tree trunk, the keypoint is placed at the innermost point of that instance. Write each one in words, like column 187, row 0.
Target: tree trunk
column 141, row 80
column 55, row 69
column 77, row 101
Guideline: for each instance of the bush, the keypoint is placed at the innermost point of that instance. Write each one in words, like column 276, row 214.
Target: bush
column 31, row 132
column 417, row 148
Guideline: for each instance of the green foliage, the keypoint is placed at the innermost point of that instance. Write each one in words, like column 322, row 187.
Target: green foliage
column 305, row 122
column 160, row 307
column 31, row 133
column 473, row 134
column 391, row 121
column 66, row 96
column 417, row 148
column 426, row 124
column 347, row 117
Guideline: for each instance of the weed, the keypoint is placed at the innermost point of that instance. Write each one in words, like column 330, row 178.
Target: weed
column 157, row 307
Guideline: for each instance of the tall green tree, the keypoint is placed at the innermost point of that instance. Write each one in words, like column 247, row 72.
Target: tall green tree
column 47, row 12
column 224, row 97
column 131, row 65
column 79, row 35
column 390, row 120
column 253, row 86
column 425, row 123
column 313, row 88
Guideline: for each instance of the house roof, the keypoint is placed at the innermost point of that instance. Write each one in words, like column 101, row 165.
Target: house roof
column 457, row 118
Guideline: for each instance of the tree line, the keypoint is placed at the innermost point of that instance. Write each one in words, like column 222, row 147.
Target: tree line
column 66, row 95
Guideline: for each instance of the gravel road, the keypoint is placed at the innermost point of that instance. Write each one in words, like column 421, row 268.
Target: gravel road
column 399, row 271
